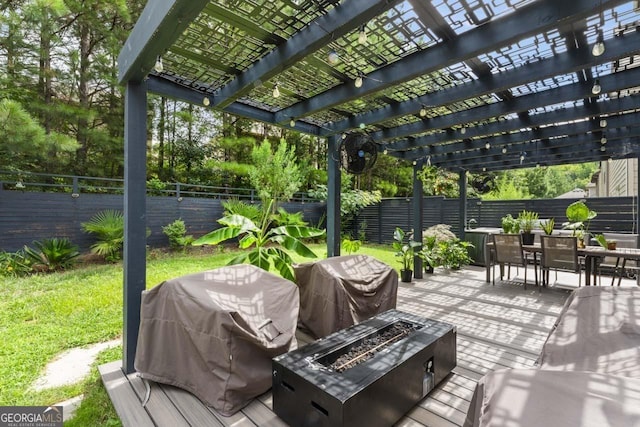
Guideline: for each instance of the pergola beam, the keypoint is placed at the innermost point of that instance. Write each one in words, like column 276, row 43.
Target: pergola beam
column 490, row 129
column 532, row 19
column 504, row 141
column 159, row 26
column 610, row 83
column 566, row 62
column 166, row 88
column 343, row 18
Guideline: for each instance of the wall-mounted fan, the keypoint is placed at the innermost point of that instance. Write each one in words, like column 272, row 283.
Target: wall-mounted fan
column 357, row 153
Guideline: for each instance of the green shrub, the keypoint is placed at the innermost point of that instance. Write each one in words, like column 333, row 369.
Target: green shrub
column 14, row 264
column 108, row 227
column 176, row 232
column 351, row 246
column 52, row 254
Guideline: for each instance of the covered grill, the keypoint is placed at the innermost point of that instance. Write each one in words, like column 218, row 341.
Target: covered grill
column 338, row 292
column 214, row 333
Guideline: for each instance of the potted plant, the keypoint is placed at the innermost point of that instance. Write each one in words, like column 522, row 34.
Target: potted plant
column 527, row 220
column 607, row 244
column 510, row 225
column 547, row 226
column 405, row 252
column 429, row 253
column 579, row 216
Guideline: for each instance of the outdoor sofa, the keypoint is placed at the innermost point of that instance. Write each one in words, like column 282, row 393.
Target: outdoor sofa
column 588, row 371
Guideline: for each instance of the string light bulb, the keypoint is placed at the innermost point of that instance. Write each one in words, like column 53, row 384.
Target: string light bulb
column 487, row 145
column 385, row 151
column 504, row 150
column 292, row 122
column 359, row 81
column 276, row 91
column 159, row 67
column 362, row 35
column 414, row 163
column 463, row 130
column 603, row 140
column 333, row 58
column 423, row 111
column 610, row 160
column 603, row 148
column 205, row 101
column 429, row 161
column 598, row 47
column 596, row 89
column 603, row 123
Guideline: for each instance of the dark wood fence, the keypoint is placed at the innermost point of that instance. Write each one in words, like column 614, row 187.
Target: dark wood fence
column 615, row 214
column 29, row 216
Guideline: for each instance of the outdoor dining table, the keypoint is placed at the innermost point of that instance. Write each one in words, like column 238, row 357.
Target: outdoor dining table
column 592, row 255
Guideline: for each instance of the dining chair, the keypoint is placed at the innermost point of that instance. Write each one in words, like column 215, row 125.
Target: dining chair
column 559, row 253
column 508, row 251
column 619, row 268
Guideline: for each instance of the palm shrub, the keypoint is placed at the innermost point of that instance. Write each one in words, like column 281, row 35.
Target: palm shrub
column 176, row 232
column 266, row 243
column 52, row 254
column 239, row 207
column 108, row 227
column 282, row 217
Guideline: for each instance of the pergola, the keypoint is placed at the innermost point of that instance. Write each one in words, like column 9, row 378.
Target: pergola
column 462, row 84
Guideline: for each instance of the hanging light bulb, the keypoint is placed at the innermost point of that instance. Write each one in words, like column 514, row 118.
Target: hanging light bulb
column 484, row 169
column 603, row 123
column 414, row 163
column 521, row 158
column 205, row 101
column 292, row 122
column 463, row 130
column 596, row 89
column 423, row 111
column 344, row 136
column 362, row 125
column 362, row 35
column 333, row 58
column 358, row 82
column 429, row 161
column 385, row 152
column 603, row 140
column 276, row 91
column 158, row 66
column 603, row 148
column 487, row 145
column 504, row 150
column 598, row 47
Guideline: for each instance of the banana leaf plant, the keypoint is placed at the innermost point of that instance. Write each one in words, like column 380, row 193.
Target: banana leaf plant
column 267, row 244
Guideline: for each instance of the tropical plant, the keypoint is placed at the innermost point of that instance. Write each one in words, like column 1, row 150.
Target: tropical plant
column 602, row 241
column 108, row 227
column 579, row 216
column 527, row 220
column 547, row 226
column 52, row 254
column 351, row 246
column 441, row 247
column 454, row 253
column 405, row 250
column 267, row 243
column 177, row 234
column 510, row 224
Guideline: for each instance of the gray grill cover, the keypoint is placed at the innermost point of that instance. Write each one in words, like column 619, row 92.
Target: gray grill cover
column 341, row 291
column 214, row 333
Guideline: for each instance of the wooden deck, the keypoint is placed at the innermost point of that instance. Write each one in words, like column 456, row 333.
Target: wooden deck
column 501, row 326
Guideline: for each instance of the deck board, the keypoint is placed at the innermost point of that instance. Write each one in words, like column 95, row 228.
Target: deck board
column 501, row 326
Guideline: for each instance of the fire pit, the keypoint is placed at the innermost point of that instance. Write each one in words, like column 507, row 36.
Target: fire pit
column 369, row 374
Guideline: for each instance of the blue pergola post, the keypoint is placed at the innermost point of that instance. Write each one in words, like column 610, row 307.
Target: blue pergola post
column 462, row 183
column 135, row 179
column 416, row 217
column 333, row 198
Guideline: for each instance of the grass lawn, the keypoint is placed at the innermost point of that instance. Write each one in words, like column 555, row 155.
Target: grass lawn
column 44, row 315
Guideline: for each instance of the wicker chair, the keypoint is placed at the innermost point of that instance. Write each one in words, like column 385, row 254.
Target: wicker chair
column 508, row 251
column 559, row 253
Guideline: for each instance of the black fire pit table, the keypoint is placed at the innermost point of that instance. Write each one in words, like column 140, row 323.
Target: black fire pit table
column 368, row 375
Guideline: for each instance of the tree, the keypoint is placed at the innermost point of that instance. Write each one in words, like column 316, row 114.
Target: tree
column 276, row 175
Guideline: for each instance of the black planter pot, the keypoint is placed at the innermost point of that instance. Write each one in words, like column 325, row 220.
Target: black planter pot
column 406, row 275
column 428, row 269
column 528, row 238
